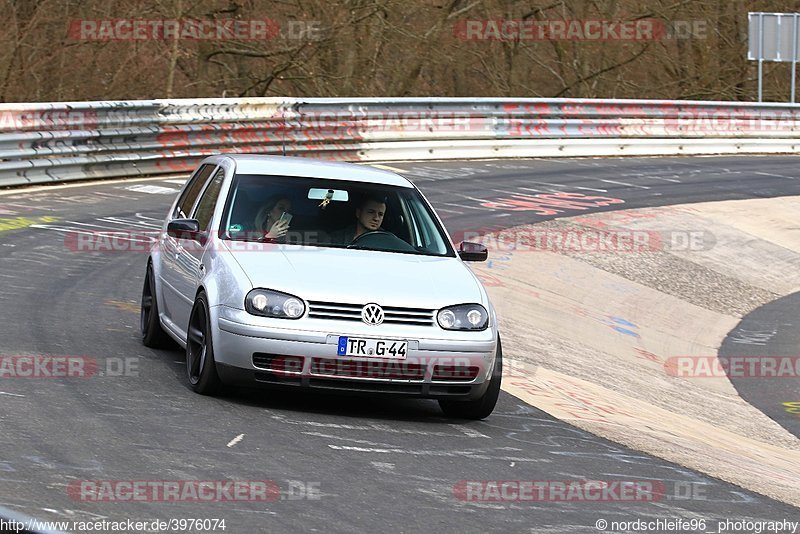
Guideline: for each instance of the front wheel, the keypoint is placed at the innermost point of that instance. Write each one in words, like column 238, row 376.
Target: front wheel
column 153, row 334
column 200, row 366
column 482, row 407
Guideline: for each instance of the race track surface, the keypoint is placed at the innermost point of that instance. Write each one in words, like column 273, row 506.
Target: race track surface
column 368, row 464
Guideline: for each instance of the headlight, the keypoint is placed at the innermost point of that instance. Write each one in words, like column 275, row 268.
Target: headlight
column 269, row 303
column 463, row 317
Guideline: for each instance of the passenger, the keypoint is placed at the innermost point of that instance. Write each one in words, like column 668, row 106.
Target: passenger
column 269, row 220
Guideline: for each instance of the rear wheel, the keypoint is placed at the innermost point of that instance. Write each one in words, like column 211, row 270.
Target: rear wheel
column 153, row 334
column 479, row 408
column 200, row 366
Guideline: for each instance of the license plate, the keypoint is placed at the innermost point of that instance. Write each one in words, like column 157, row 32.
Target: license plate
column 372, row 348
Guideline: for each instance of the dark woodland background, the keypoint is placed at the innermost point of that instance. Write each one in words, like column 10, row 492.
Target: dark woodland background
column 382, row 48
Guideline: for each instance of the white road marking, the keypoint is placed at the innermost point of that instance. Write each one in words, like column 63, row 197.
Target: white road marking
column 10, row 394
column 775, row 175
column 72, row 200
column 660, row 178
column 127, row 221
column 90, row 225
column 458, row 454
column 152, row 189
column 471, row 432
column 140, row 216
column 624, row 183
column 584, row 188
column 382, row 465
column 5, row 209
column 65, row 230
column 235, row 440
column 68, row 512
column 479, row 200
column 444, row 210
column 111, row 229
column 353, row 440
column 179, row 182
column 56, row 187
column 109, row 195
column 505, row 192
column 462, row 206
column 110, row 232
column 373, row 426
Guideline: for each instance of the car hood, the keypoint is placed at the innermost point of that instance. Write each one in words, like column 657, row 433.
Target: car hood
column 362, row 276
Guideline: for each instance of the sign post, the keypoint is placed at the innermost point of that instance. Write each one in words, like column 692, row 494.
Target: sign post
column 794, row 54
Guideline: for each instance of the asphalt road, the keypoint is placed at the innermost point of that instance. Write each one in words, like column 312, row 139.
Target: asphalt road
column 367, row 464
column 769, row 334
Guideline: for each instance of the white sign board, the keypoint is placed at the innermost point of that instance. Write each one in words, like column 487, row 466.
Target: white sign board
column 773, row 37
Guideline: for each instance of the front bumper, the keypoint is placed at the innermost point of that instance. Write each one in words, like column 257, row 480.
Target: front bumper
column 439, row 364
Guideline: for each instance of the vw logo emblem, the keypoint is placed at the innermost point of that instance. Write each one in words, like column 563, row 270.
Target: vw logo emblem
column 372, row 314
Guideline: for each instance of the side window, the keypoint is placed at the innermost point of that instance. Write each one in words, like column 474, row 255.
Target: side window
column 205, row 208
column 426, row 228
column 184, row 206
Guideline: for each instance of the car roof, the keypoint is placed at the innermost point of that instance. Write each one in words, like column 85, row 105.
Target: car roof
column 310, row 168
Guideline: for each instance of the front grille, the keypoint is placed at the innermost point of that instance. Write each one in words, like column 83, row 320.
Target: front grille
column 381, row 370
column 352, row 312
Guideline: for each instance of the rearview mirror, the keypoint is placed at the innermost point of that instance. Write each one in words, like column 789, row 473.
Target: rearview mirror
column 338, row 195
column 472, row 251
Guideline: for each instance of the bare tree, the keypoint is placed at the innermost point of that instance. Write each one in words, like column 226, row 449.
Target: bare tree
column 383, row 47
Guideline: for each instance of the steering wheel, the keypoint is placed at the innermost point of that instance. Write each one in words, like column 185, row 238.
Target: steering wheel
column 369, row 233
column 382, row 240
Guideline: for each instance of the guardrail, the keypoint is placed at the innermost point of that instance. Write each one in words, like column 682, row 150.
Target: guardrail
column 82, row 140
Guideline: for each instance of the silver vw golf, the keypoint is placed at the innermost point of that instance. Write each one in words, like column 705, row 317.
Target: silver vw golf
column 297, row 273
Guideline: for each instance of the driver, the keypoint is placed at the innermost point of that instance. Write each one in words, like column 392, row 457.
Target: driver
column 369, row 217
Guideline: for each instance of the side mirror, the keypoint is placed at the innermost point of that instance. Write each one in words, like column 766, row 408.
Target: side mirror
column 185, row 229
column 472, row 251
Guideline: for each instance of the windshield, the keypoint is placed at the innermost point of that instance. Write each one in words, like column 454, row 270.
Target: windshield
column 332, row 213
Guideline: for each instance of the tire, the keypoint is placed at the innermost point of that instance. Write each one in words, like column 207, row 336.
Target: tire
column 153, row 334
column 201, row 369
column 482, row 407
